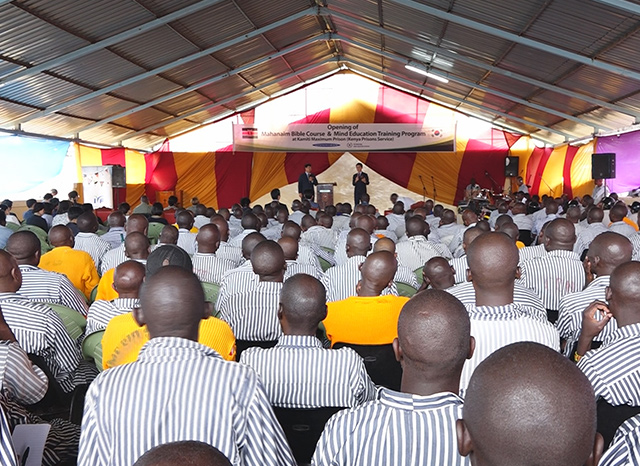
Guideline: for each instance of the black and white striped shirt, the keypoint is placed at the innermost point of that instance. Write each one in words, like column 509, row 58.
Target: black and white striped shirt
column 236, row 280
column 531, row 252
column 299, row 373
column 40, row 331
column 19, row 379
column 407, row 276
column 101, row 312
column 522, row 296
column 236, row 241
column 614, row 368
column 625, row 448
column 635, row 242
column 320, row 236
column 571, row 308
column 340, row 281
column 494, row 327
column 414, row 252
column 231, row 253
column 587, row 235
column 395, row 429
column 295, row 268
column 187, row 241
column 112, row 259
column 92, row 244
column 553, row 276
column 7, row 455
column 253, row 314
column 179, row 390
column 460, row 266
column 42, row 286
column 209, row 267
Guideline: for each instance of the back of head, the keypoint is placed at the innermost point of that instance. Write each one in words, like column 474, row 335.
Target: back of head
column 223, row 226
column 366, row 222
column 552, row 207
column 184, row 220
column 168, row 235
column 325, row 220
column 331, row 210
column 208, row 238
column 560, row 234
column 378, row 269
column 493, row 260
column 434, row 335
column 512, row 230
column 528, row 405
column 74, row 212
column 292, row 229
column 519, row 208
column 345, row 208
column 398, row 208
column 124, row 208
column 249, row 243
column 469, row 217
column 618, row 212
column 137, row 223
column 595, row 215
column 201, row 209
column 382, row 223
column 116, row 219
column 87, row 223
column 172, row 303
column 307, row 222
column 416, row 226
column 157, row 209
column 296, row 205
column 289, row 247
column 24, row 246
column 502, row 220
column 439, row 273
column 136, row 245
column 623, row 298
column 128, row 278
column 10, row 276
column 166, row 255
column 267, row 260
column 384, row 244
column 250, row 222
column 358, row 242
column 607, row 251
column 573, row 214
column 448, row 216
column 483, row 225
column 60, row 235
column 304, row 302
column 470, row 234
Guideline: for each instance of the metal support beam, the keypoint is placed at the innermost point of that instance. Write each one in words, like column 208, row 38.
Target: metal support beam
column 453, row 97
column 206, row 82
column 227, row 100
column 81, row 52
column 518, row 39
column 168, row 66
column 622, row 5
column 485, row 66
column 473, row 85
column 4, row 2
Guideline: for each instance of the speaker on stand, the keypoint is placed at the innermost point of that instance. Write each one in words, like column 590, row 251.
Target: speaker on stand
column 511, row 166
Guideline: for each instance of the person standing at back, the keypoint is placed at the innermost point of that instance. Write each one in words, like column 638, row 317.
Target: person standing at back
column 306, row 181
column 360, row 182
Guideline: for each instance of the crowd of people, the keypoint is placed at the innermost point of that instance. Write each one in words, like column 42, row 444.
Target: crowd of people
column 412, row 336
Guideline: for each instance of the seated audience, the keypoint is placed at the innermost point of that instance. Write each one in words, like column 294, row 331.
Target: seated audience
column 206, row 264
column 88, row 241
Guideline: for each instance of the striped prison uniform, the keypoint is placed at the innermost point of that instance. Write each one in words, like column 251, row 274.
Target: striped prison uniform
column 210, row 268
column 417, row 250
column 625, row 448
column 7, row 455
column 340, row 281
column 112, row 259
column 395, row 429
column 299, row 373
column 92, row 244
column 587, row 235
column 101, row 312
column 191, row 393
column 494, row 327
column 614, row 368
column 42, row 286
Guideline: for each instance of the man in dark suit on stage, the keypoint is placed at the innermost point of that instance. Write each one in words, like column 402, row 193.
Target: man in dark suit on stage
column 306, row 181
column 360, row 182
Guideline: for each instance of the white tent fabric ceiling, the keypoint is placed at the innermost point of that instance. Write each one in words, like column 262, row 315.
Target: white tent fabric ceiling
column 134, row 72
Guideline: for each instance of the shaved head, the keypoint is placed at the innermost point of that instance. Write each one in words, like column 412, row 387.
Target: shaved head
column 307, row 222
column 61, row 235
column 382, row 223
column 448, row 216
column 607, row 251
column 10, row 276
column 267, row 260
column 289, row 248
column 136, row 246
column 25, row 247
column 434, row 335
column 172, row 303
column 469, row 235
column 384, row 244
column 528, row 405
column 624, row 291
column 595, row 215
column 168, row 235
column 303, row 303
column 560, row 234
column 249, row 243
column 469, row 217
column 184, row 220
column 378, row 270
column 116, row 219
column 292, row 229
column 223, row 226
column 493, row 260
column 185, row 453
column 87, row 223
column 208, row 238
column 502, row 220
column 137, row 222
column 511, row 229
column 438, row 273
column 618, row 212
column 366, row 222
column 416, row 226
column 128, row 278
column 250, row 221
column 358, row 242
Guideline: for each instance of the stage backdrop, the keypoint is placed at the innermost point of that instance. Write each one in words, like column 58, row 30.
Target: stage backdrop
column 221, row 178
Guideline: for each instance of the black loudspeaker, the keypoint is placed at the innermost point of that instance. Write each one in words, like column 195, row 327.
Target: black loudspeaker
column 603, row 166
column 511, row 166
column 118, row 177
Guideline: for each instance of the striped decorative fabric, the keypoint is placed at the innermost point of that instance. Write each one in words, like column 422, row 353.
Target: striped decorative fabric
column 42, row 286
column 614, row 368
column 190, row 393
column 395, row 429
column 299, row 373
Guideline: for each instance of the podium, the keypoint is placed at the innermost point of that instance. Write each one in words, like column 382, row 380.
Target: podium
column 325, row 194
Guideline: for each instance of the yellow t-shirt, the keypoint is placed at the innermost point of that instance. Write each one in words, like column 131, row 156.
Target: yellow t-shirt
column 76, row 265
column 364, row 320
column 123, row 339
column 520, row 244
column 105, row 287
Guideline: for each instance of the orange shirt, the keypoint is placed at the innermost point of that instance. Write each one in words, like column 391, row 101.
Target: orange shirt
column 123, row 339
column 520, row 244
column 364, row 320
column 76, row 265
column 105, row 287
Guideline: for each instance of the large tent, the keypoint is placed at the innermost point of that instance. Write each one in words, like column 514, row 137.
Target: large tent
column 134, row 72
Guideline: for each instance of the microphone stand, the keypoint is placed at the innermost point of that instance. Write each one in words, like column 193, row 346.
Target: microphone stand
column 435, row 195
column 552, row 191
column 424, row 189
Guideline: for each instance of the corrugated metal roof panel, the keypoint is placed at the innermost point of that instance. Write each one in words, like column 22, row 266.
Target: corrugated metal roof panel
column 293, row 32
column 535, row 64
column 505, row 14
column 40, row 90
column 142, row 119
column 561, row 102
column 107, row 134
column 473, row 43
column 626, row 52
column 59, row 125
column 226, row 88
column 599, row 83
column 147, row 89
column 174, row 128
column 164, row 7
column 184, row 103
column 196, row 71
column 10, row 111
column 308, row 55
column 261, row 14
column 143, row 142
column 99, row 107
column 268, row 71
column 364, row 9
column 246, row 52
